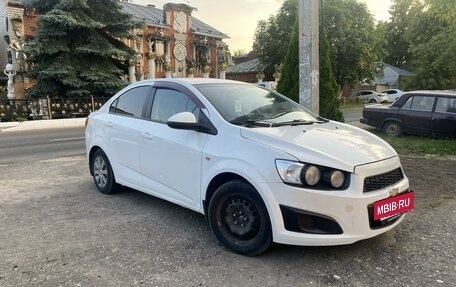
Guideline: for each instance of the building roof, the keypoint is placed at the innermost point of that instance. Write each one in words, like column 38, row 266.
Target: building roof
column 399, row 71
column 153, row 16
column 250, row 66
column 147, row 14
column 391, row 75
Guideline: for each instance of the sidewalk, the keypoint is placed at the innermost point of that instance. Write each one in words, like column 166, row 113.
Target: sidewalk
column 41, row 124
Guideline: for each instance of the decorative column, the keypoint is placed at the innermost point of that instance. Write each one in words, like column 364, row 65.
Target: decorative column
column 10, row 72
column 168, row 68
column 131, row 72
column 151, row 65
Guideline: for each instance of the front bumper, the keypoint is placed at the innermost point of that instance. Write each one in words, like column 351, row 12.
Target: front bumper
column 349, row 209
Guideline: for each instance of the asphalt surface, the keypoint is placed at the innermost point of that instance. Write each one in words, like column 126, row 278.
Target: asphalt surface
column 57, row 230
column 32, row 145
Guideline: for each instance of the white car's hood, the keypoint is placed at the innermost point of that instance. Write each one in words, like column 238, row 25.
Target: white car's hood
column 330, row 144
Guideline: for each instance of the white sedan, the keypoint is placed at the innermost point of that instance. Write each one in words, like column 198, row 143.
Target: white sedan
column 260, row 167
column 393, row 94
column 371, row 97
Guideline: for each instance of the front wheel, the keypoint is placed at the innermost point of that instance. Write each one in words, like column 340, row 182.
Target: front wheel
column 372, row 101
column 239, row 218
column 393, row 129
column 103, row 175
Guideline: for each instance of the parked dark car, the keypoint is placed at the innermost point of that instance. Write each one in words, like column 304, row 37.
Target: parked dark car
column 428, row 113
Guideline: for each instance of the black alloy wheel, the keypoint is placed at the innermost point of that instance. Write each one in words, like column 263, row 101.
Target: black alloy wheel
column 239, row 218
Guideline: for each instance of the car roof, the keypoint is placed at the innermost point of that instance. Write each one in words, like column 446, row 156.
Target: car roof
column 191, row 81
column 432, row 92
column 405, row 96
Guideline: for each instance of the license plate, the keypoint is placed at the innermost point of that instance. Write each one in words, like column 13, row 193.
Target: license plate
column 395, row 205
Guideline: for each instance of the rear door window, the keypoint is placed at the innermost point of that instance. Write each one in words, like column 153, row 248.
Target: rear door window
column 446, row 105
column 131, row 103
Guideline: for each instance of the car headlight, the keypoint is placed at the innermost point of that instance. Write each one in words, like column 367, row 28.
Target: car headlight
column 289, row 171
column 310, row 175
column 336, row 178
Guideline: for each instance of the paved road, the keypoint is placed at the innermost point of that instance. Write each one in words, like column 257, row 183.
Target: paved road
column 57, row 230
column 41, row 144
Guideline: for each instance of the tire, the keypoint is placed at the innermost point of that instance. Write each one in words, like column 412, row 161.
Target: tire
column 372, row 101
column 239, row 218
column 393, row 129
column 103, row 175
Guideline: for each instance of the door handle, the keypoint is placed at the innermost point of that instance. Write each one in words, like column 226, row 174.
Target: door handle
column 147, row 136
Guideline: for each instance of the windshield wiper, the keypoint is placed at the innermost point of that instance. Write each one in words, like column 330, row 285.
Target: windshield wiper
column 296, row 123
column 252, row 123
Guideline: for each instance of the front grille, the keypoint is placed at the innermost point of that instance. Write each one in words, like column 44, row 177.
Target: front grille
column 383, row 180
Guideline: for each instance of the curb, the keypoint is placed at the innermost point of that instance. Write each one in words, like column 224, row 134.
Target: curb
column 42, row 124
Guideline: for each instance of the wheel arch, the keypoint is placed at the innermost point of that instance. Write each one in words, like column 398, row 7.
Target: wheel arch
column 90, row 156
column 218, row 181
column 387, row 120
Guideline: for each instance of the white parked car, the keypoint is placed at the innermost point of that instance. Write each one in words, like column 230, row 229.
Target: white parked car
column 371, row 97
column 260, row 167
column 393, row 94
column 268, row 85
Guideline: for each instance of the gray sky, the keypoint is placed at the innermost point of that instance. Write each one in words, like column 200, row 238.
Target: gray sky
column 238, row 18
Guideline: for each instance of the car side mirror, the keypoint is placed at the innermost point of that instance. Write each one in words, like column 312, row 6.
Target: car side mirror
column 188, row 121
column 184, row 118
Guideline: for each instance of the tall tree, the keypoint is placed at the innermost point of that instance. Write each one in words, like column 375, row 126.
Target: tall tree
column 431, row 34
column 329, row 90
column 350, row 31
column 272, row 36
column 289, row 81
column 397, row 46
column 78, row 48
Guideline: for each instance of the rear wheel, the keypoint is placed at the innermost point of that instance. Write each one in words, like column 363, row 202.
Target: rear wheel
column 393, row 129
column 103, row 175
column 239, row 219
column 371, row 101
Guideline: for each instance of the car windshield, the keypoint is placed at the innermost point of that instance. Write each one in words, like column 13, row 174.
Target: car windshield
column 249, row 105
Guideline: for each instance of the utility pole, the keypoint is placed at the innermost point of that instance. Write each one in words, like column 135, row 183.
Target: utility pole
column 309, row 75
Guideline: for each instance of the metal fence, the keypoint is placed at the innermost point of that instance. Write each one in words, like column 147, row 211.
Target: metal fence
column 49, row 108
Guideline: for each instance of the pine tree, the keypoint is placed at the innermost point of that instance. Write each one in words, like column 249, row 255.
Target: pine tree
column 78, row 48
column 289, row 80
column 329, row 102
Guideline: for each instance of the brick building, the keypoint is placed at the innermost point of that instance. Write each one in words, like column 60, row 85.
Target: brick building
column 171, row 42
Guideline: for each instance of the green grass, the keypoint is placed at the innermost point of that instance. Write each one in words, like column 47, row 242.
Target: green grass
column 413, row 145
column 352, row 105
